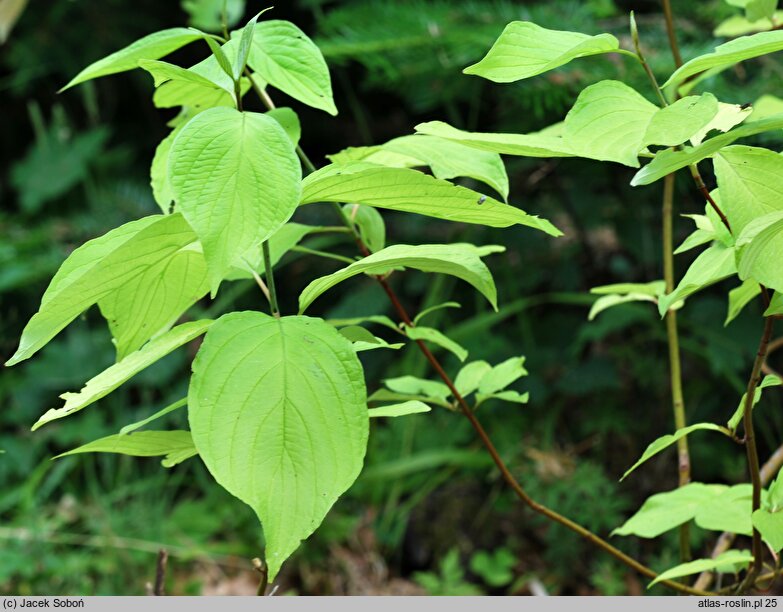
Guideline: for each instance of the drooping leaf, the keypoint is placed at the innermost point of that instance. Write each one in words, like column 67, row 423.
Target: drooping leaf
column 460, row 259
column 546, row 143
column 363, row 340
column 154, row 417
column 236, row 178
column 729, row 510
column 751, row 183
column 278, row 412
column 377, row 319
column 98, row 268
column 470, row 375
column 155, row 299
column 775, row 495
column 408, row 190
column 712, row 265
column 163, row 72
column 434, row 336
column 759, row 249
column 665, row 511
column 245, row 42
column 220, row 55
column 664, row 442
column 387, row 395
column 372, row 228
column 728, row 562
column 153, row 46
column 739, row 25
column 434, row 308
column 608, row 301
column 525, row 49
column 739, row 297
column 703, row 234
column 159, row 172
column 107, row 381
column 651, row 289
column 770, row 380
column 775, row 305
column 767, row 105
column 448, row 159
column 287, row 59
column 176, row 445
column 670, row 160
column 397, row 410
column 728, row 54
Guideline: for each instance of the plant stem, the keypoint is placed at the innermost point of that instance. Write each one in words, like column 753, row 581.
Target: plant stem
column 670, row 31
column 752, row 452
column 479, row 429
column 160, row 572
column 270, row 279
column 675, row 371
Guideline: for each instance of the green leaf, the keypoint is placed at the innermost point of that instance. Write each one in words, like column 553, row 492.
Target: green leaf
column 759, row 249
column 163, row 72
column 412, row 191
column 775, row 495
column 770, row 380
column 209, row 14
column 608, row 301
column 447, row 159
column 712, row 265
column 153, row 46
column 760, row 9
column 378, row 319
column 728, row 562
column 412, row 385
column 469, row 377
column 97, row 269
column 245, row 41
column 770, row 526
column 459, row 259
column 159, row 172
column 704, row 233
column 386, row 395
column 433, row 336
column 739, row 297
column 728, row 54
column 278, row 412
column 651, row 289
column 502, row 375
column 289, row 121
column 506, row 396
column 176, row 445
column 730, row 511
column 525, row 49
column 236, row 179
column 280, row 243
column 155, row 299
column 664, row 442
column 434, row 308
column 107, row 381
column 665, row 511
column 372, row 229
column 363, row 340
column 154, row 417
column 751, row 183
column 767, row 105
column 396, row 410
column 738, row 25
column 287, row 59
column 775, row 305
column 727, row 117
column 670, row 160
column 546, row 143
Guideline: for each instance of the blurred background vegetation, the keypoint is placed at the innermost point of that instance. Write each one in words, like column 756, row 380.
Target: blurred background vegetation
column 429, row 513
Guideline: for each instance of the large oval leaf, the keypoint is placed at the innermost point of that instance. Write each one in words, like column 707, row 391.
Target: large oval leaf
column 236, row 179
column 287, row 59
column 278, row 412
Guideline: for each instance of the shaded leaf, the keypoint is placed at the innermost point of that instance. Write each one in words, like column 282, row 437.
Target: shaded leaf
column 176, row 445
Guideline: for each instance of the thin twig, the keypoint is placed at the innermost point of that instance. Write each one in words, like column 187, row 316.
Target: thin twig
column 263, row 570
column 160, row 572
column 672, row 34
column 270, row 279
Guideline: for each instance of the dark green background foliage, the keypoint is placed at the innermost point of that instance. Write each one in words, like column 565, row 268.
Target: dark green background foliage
column 429, row 512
